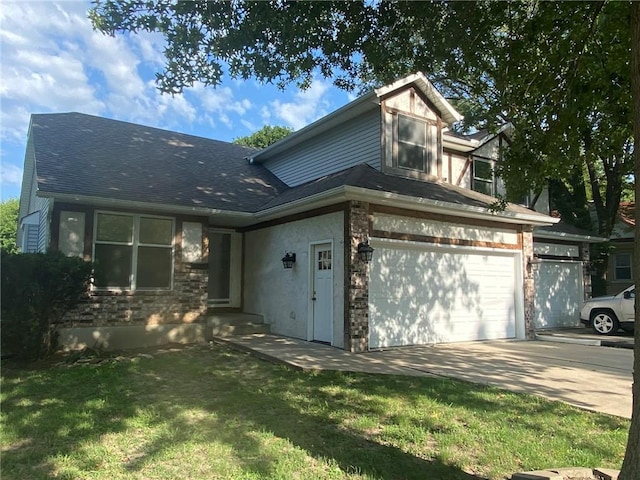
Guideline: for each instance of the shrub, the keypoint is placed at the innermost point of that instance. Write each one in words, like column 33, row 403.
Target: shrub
column 37, row 290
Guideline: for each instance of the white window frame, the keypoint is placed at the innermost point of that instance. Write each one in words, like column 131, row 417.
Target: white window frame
column 616, row 256
column 482, row 180
column 427, row 160
column 135, row 244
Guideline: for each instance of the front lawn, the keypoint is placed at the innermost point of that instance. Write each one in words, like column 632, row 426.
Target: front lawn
column 209, row 412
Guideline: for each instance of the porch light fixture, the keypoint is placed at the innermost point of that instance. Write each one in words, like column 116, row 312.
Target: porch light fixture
column 365, row 251
column 288, row 260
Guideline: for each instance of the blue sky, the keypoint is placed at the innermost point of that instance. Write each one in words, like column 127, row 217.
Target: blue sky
column 51, row 60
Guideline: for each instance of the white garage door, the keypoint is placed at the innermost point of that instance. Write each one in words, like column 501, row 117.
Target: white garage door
column 559, row 294
column 421, row 295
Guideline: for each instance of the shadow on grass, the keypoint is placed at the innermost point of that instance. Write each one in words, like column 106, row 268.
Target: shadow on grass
column 256, row 412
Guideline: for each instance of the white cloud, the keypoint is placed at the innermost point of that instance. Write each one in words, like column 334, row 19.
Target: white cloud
column 10, row 174
column 307, row 106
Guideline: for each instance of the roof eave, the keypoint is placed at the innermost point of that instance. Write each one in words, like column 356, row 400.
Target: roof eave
column 436, row 206
column 347, row 192
column 572, row 237
column 103, row 202
column 449, row 114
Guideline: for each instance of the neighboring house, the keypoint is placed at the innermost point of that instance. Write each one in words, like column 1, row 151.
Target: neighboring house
column 182, row 226
column 619, row 270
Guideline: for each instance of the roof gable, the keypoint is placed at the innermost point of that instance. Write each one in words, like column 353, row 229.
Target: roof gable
column 358, row 107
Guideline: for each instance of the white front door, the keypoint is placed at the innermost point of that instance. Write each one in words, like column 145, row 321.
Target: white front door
column 322, row 293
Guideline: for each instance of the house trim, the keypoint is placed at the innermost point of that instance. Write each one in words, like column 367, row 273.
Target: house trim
column 337, row 207
column 411, row 237
column 128, row 205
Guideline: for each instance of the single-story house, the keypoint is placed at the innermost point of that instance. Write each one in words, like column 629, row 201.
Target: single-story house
column 183, row 228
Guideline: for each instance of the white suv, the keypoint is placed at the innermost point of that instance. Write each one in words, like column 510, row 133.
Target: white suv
column 606, row 315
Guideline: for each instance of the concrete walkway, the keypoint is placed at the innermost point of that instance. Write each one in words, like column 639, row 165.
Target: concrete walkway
column 590, row 377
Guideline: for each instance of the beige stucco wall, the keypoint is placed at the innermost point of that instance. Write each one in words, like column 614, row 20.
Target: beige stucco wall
column 283, row 296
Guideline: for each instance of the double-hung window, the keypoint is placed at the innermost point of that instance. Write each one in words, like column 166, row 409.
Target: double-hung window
column 412, row 145
column 133, row 252
column 622, row 266
column 483, row 181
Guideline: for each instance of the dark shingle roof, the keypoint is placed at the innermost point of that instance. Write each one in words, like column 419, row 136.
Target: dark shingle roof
column 80, row 154
column 365, row 176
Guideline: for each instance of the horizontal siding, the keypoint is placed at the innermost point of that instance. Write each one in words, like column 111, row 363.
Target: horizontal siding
column 44, row 204
column 31, row 239
column 356, row 142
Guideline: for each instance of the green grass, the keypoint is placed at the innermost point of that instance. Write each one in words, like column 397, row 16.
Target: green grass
column 210, row 412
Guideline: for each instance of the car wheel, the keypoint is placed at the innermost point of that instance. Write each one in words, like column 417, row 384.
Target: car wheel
column 604, row 323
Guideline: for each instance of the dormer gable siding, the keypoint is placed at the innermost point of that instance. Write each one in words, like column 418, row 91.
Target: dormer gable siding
column 412, row 138
column 351, row 143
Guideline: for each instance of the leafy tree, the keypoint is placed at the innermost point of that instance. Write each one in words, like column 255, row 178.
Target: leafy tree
column 559, row 71
column 264, row 137
column 9, row 225
column 37, row 290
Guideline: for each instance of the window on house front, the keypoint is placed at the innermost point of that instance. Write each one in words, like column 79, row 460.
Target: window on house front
column 483, row 176
column 622, row 266
column 133, row 251
column 412, row 147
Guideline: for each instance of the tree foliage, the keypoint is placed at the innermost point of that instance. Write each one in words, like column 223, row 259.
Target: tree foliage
column 558, row 71
column 264, row 137
column 37, row 290
column 9, row 225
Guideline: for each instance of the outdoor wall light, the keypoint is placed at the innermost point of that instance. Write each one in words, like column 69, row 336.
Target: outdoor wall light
column 288, row 260
column 365, row 252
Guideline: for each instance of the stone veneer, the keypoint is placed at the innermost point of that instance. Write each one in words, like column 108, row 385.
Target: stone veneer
column 529, row 284
column 357, row 279
column 185, row 303
column 585, row 256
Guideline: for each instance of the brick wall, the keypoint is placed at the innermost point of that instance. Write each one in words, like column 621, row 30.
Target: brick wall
column 185, row 303
column 357, row 280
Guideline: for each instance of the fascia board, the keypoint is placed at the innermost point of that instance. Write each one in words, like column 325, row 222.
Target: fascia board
column 449, row 114
column 571, row 237
column 459, row 144
column 323, row 199
column 127, row 204
column 347, row 192
column 436, row 206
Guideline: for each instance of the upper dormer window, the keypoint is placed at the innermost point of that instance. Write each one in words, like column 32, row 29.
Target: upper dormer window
column 483, row 176
column 412, row 145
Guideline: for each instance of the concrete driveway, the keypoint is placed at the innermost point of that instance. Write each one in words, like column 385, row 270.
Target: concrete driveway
column 590, row 377
column 594, row 378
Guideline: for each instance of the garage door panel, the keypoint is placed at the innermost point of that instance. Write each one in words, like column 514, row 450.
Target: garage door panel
column 559, row 294
column 420, row 296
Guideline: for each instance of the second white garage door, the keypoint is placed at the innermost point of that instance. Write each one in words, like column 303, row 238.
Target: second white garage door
column 423, row 295
column 559, row 294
